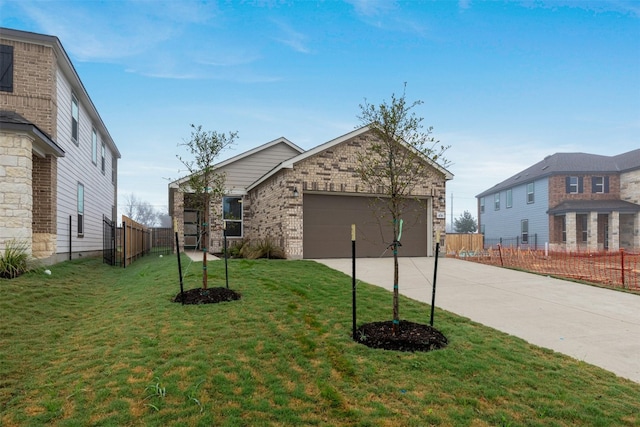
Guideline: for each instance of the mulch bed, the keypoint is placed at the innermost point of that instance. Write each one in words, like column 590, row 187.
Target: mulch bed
column 208, row 296
column 409, row 337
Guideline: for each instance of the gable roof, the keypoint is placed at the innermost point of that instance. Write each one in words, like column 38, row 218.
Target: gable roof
column 43, row 144
column 243, row 155
column 573, row 163
column 288, row 164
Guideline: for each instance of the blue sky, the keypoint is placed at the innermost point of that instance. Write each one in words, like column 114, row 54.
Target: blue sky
column 503, row 83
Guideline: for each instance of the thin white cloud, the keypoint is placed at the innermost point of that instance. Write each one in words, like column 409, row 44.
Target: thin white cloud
column 290, row 37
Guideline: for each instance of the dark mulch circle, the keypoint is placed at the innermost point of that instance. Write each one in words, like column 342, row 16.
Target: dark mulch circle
column 208, row 296
column 409, row 337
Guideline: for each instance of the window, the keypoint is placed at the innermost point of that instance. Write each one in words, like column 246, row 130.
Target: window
column 113, row 169
column 75, row 118
column 94, row 147
column 530, row 193
column 496, row 202
column 509, row 201
column 102, row 151
column 481, row 204
column 600, row 184
column 524, row 229
column 584, row 223
column 574, row 185
column 6, row 68
column 232, row 215
column 80, row 210
column 564, row 228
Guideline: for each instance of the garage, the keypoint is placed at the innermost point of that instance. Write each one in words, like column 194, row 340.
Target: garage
column 327, row 223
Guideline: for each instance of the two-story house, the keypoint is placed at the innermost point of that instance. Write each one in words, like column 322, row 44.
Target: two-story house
column 58, row 162
column 571, row 201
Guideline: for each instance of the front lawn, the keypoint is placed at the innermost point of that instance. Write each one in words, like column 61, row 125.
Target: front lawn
column 98, row 345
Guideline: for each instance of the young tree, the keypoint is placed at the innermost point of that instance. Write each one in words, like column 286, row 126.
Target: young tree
column 398, row 159
column 466, row 223
column 204, row 183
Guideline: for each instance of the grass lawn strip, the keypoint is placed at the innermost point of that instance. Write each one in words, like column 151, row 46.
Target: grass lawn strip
column 93, row 344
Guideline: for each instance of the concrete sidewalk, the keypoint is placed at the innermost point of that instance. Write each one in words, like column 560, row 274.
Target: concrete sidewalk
column 595, row 325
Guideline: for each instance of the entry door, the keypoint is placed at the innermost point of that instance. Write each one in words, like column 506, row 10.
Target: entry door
column 191, row 229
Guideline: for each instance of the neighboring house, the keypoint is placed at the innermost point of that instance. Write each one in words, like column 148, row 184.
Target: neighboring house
column 572, row 201
column 306, row 201
column 58, row 163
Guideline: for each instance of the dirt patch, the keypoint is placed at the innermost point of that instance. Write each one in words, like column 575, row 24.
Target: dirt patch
column 207, row 296
column 409, row 336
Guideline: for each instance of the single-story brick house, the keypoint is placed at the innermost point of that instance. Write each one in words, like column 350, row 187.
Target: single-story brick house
column 306, row 201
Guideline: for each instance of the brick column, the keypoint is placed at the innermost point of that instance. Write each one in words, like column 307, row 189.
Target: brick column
column 571, row 244
column 45, row 202
column 614, row 231
column 592, row 232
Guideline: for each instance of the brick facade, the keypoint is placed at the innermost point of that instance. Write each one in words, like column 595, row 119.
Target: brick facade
column 34, row 85
column 277, row 213
column 558, row 192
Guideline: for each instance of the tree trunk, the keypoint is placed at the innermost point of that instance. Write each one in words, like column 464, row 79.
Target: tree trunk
column 396, row 304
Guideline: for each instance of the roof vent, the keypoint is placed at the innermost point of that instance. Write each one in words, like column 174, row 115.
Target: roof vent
column 545, row 167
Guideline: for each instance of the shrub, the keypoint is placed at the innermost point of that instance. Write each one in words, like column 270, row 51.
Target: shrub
column 15, row 259
column 263, row 248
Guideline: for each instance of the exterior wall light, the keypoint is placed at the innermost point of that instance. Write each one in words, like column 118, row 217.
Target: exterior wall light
column 295, row 192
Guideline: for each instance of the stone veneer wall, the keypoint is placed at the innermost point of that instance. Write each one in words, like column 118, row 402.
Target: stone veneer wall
column 16, row 198
column 276, row 213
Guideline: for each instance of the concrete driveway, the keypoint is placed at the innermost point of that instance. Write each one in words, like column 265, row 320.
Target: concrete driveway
column 595, row 325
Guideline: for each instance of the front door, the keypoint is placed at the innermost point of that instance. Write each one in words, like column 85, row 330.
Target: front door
column 191, row 229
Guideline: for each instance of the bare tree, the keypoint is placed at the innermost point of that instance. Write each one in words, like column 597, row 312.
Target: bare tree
column 140, row 211
column 400, row 157
column 204, row 183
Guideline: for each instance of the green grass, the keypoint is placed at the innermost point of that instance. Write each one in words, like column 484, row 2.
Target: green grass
column 99, row 345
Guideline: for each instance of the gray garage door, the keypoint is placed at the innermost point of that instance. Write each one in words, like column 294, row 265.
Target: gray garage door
column 328, row 219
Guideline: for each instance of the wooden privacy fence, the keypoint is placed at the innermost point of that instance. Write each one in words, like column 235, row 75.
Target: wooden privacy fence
column 464, row 243
column 136, row 240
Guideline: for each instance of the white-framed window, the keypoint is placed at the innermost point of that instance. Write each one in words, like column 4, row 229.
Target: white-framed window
column 94, row 146
column 75, row 119
column 113, row 169
column 509, row 201
column 600, row 184
column 103, row 153
column 530, row 193
column 80, row 210
column 232, row 215
column 496, row 202
column 481, row 204
column 574, row 184
column 524, row 231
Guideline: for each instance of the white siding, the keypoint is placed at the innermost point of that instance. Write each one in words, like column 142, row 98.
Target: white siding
column 77, row 167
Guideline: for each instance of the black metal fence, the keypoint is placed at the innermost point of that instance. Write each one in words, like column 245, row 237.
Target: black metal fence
column 531, row 242
column 152, row 241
